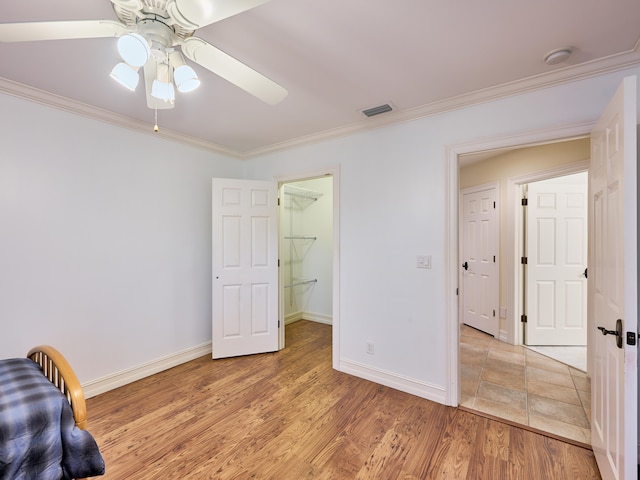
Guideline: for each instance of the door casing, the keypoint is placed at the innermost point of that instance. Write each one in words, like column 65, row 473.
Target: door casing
column 451, row 254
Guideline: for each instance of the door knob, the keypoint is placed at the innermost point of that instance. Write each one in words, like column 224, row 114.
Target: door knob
column 465, row 265
column 617, row 332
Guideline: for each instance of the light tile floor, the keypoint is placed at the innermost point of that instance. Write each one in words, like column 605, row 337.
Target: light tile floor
column 523, row 386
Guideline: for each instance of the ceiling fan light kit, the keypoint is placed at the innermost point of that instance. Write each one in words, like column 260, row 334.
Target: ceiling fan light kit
column 152, row 34
column 126, row 75
column 134, row 49
column 162, row 87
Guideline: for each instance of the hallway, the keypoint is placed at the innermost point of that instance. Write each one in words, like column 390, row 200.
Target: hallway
column 523, row 386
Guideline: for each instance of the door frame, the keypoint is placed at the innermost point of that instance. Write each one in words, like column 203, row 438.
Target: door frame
column 451, row 254
column 334, row 173
column 515, row 222
column 495, row 186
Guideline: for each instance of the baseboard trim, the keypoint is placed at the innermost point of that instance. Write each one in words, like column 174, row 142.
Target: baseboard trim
column 399, row 382
column 119, row 379
column 318, row 317
column 292, row 317
column 313, row 317
column 503, row 336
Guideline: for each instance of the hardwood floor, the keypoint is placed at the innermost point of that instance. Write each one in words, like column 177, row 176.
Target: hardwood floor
column 289, row 415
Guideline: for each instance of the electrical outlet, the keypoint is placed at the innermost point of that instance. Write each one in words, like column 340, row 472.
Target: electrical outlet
column 370, row 348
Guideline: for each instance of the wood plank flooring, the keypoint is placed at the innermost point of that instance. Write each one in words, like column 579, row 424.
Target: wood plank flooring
column 289, row 415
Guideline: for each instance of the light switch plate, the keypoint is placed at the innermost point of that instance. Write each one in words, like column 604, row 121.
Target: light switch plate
column 423, row 261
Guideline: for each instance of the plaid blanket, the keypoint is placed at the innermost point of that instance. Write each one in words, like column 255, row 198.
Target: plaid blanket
column 38, row 436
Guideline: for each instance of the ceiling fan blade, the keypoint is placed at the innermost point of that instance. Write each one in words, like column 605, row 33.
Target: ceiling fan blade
column 150, row 73
column 195, row 14
column 32, row 31
column 233, row 70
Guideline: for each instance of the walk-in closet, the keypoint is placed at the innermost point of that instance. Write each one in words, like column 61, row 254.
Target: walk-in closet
column 306, row 249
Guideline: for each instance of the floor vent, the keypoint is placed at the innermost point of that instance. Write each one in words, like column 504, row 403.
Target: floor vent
column 370, row 112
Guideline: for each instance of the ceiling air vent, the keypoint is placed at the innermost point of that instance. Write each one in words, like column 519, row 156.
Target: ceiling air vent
column 370, row 112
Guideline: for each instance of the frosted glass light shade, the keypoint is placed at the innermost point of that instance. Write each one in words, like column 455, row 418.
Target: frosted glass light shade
column 163, row 91
column 185, row 78
column 126, row 76
column 134, row 49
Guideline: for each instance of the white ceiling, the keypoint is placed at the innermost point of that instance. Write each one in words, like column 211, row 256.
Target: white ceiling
column 335, row 57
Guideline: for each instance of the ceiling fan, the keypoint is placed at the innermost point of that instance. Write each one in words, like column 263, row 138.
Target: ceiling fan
column 154, row 35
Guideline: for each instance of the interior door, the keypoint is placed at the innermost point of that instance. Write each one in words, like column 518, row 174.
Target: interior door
column 245, row 267
column 556, row 286
column 613, row 286
column 480, row 295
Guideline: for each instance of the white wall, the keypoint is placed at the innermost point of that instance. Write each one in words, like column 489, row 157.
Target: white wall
column 392, row 208
column 105, row 240
column 105, row 234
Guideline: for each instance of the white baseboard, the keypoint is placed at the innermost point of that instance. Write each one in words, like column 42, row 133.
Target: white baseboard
column 311, row 316
column 292, row 317
column 318, row 317
column 503, row 336
column 392, row 380
column 110, row 382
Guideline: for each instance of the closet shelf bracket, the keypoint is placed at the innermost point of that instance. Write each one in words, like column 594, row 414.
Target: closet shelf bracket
column 303, row 282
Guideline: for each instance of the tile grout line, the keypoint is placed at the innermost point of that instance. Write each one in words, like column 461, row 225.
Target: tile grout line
column 491, row 346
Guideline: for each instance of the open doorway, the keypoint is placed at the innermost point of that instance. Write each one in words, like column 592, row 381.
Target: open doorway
column 498, row 375
column 308, row 252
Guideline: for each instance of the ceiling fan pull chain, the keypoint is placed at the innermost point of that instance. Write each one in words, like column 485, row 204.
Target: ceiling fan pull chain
column 155, row 127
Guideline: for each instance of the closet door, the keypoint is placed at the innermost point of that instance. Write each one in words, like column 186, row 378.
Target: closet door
column 245, row 267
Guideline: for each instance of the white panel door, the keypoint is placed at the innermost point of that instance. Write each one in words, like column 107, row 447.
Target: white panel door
column 613, row 285
column 245, row 267
column 556, row 260
column 480, row 295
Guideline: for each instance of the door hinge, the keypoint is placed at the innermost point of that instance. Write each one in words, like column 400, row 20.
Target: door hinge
column 278, row 323
column 278, row 201
column 494, row 313
column 494, row 259
column 494, row 204
column 457, row 292
column 525, row 202
column 523, row 260
column 523, row 318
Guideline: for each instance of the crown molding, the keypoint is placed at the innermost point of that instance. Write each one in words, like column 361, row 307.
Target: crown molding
column 49, row 99
column 610, row 64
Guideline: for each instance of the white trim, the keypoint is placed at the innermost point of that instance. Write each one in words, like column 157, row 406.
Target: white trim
column 613, row 63
column 317, row 317
column 292, row 317
column 422, row 389
column 514, row 222
column 549, row 135
column 452, row 366
column 610, row 64
column 78, row 108
column 124, row 377
column 311, row 316
column 334, row 172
